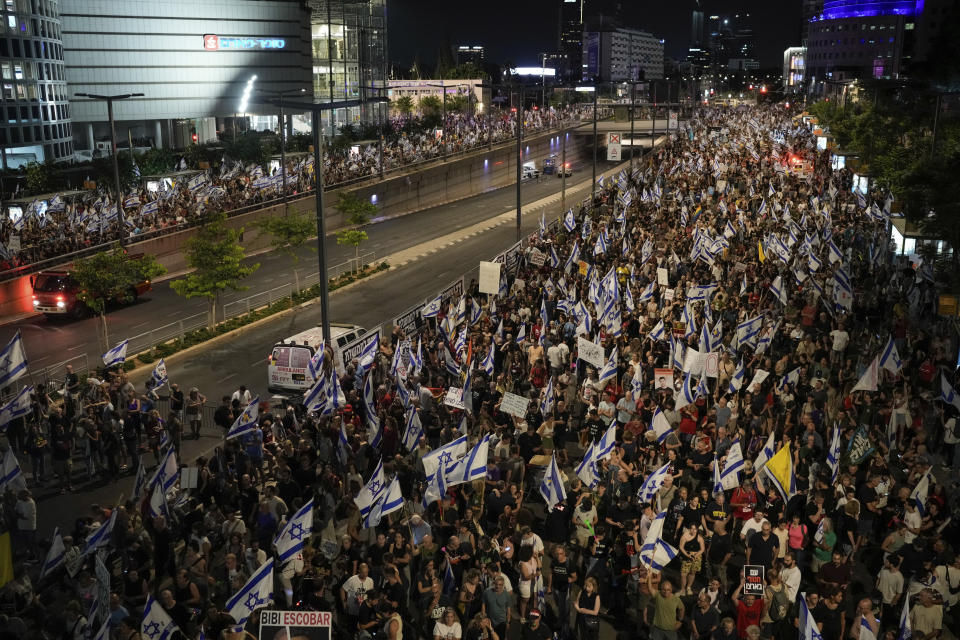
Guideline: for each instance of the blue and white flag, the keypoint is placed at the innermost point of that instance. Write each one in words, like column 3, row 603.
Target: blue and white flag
column 374, row 432
column 474, row 464
column 660, row 425
column 733, row 465
column 256, row 594
column 905, row 630
column 647, row 293
column 246, row 422
column 159, row 374
column 335, row 396
column 370, row 351
column 167, row 473
column 551, row 487
column 488, row 361
column 156, row 623
column 648, row 490
column 808, row 626
column 778, row 290
column 11, row 477
column 833, row 456
column 295, row 533
column 139, row 483
column 833, row 253
column 16, row 408
column 315, row 366
column 569, row 221
column 13, row 361
column 157, row 505
column 658, row 332
column 55, row 555
column 609, row 370
column 606, row 443
column 736, row 382
column 947, row 393
column 890, row 359
column 920, row 492
column 432, row 308
column 687, row 394
column 466, row 393
column 115, row 356
column 100, row 537
column 587, row 469
column 522, row 333
column 371, row 491
column 546, row 404
column 389, row 501
column 655, row 552
column 315, row 398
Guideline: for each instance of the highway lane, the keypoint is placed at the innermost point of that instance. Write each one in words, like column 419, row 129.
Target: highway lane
column 221, row 369
column 51, row 342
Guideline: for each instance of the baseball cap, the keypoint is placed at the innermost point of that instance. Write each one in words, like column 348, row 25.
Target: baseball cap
column 534, row 613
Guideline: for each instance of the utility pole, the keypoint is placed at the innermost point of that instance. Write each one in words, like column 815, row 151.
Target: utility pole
column 633, row 102
column 653, row 115
column 113, row 148
column 593, row 184
column 283, row 135
column 519, row 157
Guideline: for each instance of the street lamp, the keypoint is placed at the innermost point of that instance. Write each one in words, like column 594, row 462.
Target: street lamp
column 593, row 185
column 113, row 147
column 283, row 132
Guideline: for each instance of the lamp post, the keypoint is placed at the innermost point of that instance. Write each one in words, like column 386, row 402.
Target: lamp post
column 113, row 147
column 316, row 109
column 443, row 118
column 283, row 134
column 593, row 185
column 519, row 156
column 633, row 105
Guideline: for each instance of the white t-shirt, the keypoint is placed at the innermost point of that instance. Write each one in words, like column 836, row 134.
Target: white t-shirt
column 356, row 591
column 912, row 520
column 452, row 632
column 840, row 339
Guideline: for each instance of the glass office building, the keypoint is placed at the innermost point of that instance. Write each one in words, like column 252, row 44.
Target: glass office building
column 35, row 123
column 349, row 41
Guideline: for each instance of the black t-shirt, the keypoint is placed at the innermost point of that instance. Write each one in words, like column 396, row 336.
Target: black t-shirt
column 561, row 575
column 705, row 620
column 691, row 515
column 720, row 546
column 829, row 618
column 542, row 632
column 528, row 442
column 716, row 511
column 367, row 613
column 866, row 495
column 763, row 551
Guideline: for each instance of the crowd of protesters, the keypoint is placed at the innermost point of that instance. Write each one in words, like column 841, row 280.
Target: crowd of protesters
column 67, row 226
column 850, row 540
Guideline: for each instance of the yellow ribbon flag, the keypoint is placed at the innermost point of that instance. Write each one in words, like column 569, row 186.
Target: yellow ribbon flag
column 779, row 469
column 6, row 560
column 760, row 253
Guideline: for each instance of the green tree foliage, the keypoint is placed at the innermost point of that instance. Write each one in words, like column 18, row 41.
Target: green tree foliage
column 156, row 162
column 248, row 149
column 467, row 71
column 459, row 103
column 40, row 178
column 403, row 105
column 112, row 276
column 430, row 105
column 289, row 233
column 299, row 142
column 216, row 258
column 357, row 213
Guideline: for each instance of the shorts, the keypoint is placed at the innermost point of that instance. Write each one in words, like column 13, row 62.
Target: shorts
column 524, row 588
column 692, row 566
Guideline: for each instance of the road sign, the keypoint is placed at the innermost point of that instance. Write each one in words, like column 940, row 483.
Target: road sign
column 613, row 152
column 614, row 138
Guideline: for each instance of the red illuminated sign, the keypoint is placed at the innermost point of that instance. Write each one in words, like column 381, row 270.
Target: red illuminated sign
column 211, row 42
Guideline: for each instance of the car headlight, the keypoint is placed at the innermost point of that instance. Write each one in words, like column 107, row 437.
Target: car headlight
column 36, row 303
column 61, row 304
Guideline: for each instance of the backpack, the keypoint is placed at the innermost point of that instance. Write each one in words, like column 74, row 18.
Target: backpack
column 779, row 605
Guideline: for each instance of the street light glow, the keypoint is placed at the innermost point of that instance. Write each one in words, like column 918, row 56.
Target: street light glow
column 585, row 89
column 245, row 98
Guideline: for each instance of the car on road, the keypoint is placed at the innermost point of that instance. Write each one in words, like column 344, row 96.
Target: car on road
column 287, row 365
column 55, row 293
column 564, row 170
column 529, row 171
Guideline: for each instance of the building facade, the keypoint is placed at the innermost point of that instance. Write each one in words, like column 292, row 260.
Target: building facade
column 478, row 96
column 859, row 39
column 568, row 60
column 36, row 122
column 193, row 61
column 622, row 54
column 794, row 69
column 467, row 54
column 349, row 41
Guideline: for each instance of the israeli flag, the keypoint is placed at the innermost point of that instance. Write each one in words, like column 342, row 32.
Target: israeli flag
column 574, row 256
column 687, row 395
column 413, row 430
column 466, row 393
column 655, row 553
column 648, row 490
column 906, row 627
column 546, row 405
column 607, row 442
column 389, row 501
column 833, row 456
column 569, row 221
column 100, row 537
column 295, row 533
column 678, row 352
column 808, row 626
column 55, row 555
column 601, row 245
column 246, row 422
column 156, row 623
column 647, row 293
column 660, row 425
column 432, row 308
column 159, row 375
column 736, row 382
column 372, row 419
column 12, row 477
column 947, row 393
column 833, row 253
column 522, row 333
column 16, row 408
column 658, row 332
column 13, row 361
column 436, row 488
column 167, row 473
column 474, row 464
column 418, row 358
column 890, row 359
column 316, row 396
column 335, row 397
column 157, row 505
column 609, row 370
column 919, row 493
column 444, row 458
column 730, row 476
column 778, row 290
column 115, row 356
column 370, row 352
column 488, row 361
column 763, row 208
column 813, row 262
column 587, row 469
column 543, row 225
column 150, row 208
column 256, row 594
column 343, row 445
column 139, row 483
column 554, row 258
column 551, row 487
column 315, row 366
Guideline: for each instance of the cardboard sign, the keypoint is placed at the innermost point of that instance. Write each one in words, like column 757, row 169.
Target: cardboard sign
column 452, row 398
column 537, row 257
column 583, row 266
column 514, row 405
column 189, row 477
column 753, row 580
column 758, row 379
column 668, row 294
column 13, row 243
column 663, row 277
column 490, row 277
column 590, row 352
column 693, row 362
column 711, row 365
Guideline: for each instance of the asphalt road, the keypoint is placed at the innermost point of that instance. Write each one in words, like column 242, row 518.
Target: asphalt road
column 49, row 342
column 222, row 368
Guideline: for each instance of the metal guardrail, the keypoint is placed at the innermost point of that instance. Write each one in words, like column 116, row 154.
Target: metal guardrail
column 63, row 259
column 55, row 374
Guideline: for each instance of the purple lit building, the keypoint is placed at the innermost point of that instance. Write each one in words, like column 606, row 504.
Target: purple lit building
column 858, row 39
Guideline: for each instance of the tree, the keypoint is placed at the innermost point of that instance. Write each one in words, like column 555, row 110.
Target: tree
column 216, row 257
column 289, row 233
column 403, row 105
column 112, row 276
column 356, row 212
column 458, row 103
column 40, row 177
column 156, row 162
column 430, row 105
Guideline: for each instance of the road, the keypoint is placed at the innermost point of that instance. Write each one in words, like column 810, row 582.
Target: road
column 223, row 367
column 49, row 342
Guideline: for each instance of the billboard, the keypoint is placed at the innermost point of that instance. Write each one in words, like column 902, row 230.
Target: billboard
column 295, row 625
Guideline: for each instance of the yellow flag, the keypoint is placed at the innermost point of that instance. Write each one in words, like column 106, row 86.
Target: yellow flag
column 6, row 559
column 779, row 469
column 760, row 253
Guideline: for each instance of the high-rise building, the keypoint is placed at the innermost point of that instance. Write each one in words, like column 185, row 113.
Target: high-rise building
column 193, row 61
column 616, row 55
column 35, row 125
column 696, row 28
column 856, row 39
column 570, row 40
column 794, row 69
column 809, row 9
column 467, row 54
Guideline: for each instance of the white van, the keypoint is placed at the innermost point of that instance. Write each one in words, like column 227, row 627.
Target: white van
column 287, row 365
column 530, row 171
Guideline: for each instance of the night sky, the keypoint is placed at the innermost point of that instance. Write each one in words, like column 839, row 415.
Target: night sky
column 519, row 30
